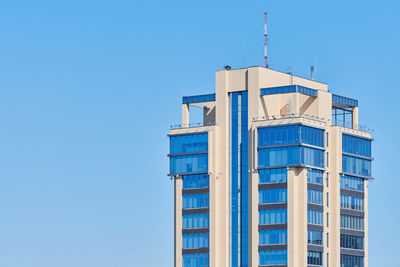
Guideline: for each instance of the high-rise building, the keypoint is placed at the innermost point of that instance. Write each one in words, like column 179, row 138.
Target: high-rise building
column 275, row 175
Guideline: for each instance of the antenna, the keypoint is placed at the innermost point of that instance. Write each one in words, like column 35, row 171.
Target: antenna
column 265, row 40
column 312, row 71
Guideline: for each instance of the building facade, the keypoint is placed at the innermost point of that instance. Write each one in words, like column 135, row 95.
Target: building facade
column 275, row 175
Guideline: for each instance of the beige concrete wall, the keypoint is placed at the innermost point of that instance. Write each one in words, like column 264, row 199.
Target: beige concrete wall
column 297, row 217
column 335, row 166
column 222, row 169
column 178, row 221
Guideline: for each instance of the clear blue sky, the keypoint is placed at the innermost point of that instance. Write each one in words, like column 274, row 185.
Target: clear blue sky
column 88, row 90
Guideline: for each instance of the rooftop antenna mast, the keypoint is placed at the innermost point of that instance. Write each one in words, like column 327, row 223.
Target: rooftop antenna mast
column 265, row 40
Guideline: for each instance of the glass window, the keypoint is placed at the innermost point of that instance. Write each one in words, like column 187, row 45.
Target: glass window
column 272, row 237
column 327, row 179
column 190, row 143
column 351, row 202
column 280, row 135
column 351, row 242
column 273, row 175
column 351, row 183
column 327, row 240
column 278, row 156
column 327, row 219
column 196, row 260
column 314, row 237
column 315, row 217
column 195, row 201
column 277, row 195
column 193, row 221
column 352, row 222
column 351, row 261
column 273, row 257
column 356, row 166
column 356, row 145
column 327, row 199
column 189, row 163
column 314, row 196
column 314, row 176
column 312, row 157
column 193, row 241
column 195, row 181
column 273, row 216
column 314, row 258
column 312, row 136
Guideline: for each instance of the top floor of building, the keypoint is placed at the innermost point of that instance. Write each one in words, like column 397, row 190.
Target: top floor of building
column 272, row 96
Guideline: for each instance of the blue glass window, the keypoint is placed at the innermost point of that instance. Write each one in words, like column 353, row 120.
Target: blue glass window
column 189, row 163
column 195, row 181
column 315, row 176
column 351, row 261
column 315, row 217
column 196, row 260
column 312, row 136
column 192, row 241
column 198, row 98
column 315, row 237
column 352, row 222
column 314, row 258
column 267, row 196
column 285, row 135
column 351, row 202
column 351, row 183
column 356, row 145
column 272, row 216
column 351, row 241
column 314, row 196
column 193, row 221
column 273, row 237
column 273, row 257
column 190, row 143
column 273, row 175
column 280, row 135
column 312, row 157
column 278, row 156
column 356, row 166
column 195, row 201
column 344, row 100
column 288, row 89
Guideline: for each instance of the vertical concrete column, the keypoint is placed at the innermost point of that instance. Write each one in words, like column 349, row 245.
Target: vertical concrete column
column 297, row 217
column 254, row 101
column 185, row 115
column 222, row 188
column 355, row 117
column 178, row 221
column 335, row 167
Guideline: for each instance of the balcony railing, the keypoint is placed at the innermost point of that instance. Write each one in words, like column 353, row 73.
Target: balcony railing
column 350, row 125
column 191, row 125
column 291, row 116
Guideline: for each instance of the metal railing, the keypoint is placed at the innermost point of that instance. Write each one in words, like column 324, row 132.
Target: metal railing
column 350, row 125
column 191, row 125
column 291, row 116
column 347, row 125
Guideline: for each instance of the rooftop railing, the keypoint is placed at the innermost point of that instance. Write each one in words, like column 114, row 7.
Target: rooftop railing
column 191, row 125
column 291, row 116
column 347, row 125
